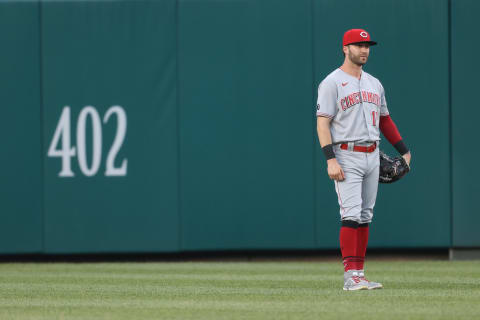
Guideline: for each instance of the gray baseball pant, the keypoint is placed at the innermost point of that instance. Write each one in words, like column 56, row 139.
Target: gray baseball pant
column 358, row 192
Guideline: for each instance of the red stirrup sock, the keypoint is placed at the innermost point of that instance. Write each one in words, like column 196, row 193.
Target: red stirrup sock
column 362, row 242
column 348, row 244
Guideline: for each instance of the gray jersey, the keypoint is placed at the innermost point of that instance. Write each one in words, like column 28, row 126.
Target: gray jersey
column 354, row 105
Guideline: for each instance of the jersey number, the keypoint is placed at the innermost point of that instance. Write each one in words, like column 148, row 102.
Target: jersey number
column 374, row 118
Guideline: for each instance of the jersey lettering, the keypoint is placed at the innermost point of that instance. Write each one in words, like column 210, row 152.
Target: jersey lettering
column 357, row 97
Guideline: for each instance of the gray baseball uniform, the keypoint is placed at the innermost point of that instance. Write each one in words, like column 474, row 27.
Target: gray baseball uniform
column 354, row 107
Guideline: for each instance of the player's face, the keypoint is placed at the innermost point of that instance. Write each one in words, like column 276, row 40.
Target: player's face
column 358, row 53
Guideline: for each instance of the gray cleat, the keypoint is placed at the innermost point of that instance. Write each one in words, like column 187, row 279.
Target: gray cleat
column 371, row 285
column 353, row 282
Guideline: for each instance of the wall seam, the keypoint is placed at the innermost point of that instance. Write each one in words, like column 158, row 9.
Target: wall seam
column 42, row 124
column 177, row 104
column 450, row 113
column 312, row 26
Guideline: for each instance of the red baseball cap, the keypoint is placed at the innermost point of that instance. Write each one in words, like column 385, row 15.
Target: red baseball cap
column 356, row 36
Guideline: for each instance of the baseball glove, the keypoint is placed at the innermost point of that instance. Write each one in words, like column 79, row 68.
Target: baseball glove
column 392, row 169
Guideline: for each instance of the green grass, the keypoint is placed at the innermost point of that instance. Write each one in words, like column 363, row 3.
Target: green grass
column 220, row 290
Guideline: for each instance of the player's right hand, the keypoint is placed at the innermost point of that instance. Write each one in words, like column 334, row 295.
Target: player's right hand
column 335, row 172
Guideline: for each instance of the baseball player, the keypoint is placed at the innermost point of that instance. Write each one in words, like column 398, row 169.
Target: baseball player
column 351, row 112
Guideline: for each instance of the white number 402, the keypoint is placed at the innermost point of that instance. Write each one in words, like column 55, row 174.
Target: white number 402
column 67, row 151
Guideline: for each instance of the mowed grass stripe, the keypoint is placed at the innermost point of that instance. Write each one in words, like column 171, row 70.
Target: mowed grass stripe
column 273, row 290
column 264, row 309
column 240, row 303
column 240, row 267
column 43, row 277
column 166, row 292
column 179, row 276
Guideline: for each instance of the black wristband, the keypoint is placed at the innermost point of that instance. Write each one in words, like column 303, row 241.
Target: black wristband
column 328, row 151
column 401, row 147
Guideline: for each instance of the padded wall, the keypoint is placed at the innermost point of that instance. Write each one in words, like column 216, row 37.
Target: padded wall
column 465, row 70
column 20, row 129
column 102, row 57
column 245, row 74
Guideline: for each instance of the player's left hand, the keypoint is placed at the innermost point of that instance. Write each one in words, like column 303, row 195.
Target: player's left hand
column 407, row 157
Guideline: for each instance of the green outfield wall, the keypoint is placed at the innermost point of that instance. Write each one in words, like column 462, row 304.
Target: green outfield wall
column 465, row 125
column 21, row 171
column 186, row 125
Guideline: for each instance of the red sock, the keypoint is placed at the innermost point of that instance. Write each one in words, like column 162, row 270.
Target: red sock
column 362, row 241
column 348, row 246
